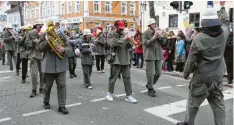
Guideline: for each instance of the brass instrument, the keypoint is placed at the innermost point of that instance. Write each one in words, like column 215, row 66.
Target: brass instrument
column 53, row 39
column 15, row 35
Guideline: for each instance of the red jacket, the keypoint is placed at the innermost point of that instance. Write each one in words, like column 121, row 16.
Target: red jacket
column 138, row 48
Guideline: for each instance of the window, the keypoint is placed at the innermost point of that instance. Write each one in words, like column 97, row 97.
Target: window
column 132, row 8
column 36, row 13
column 173, row 20
column 97, row 24
column 108, row 27
column 77, row 6
column 52, row 5
column 133, row 26
column 108, row 7
column 123, row 7
column 62, row 8
column 194, row 18
column 28, row 13
column 48, row 9
column 69, row 6
column 97, row 6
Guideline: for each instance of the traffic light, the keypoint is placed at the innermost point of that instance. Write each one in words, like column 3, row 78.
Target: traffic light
column 175, row 5
column 187, row 5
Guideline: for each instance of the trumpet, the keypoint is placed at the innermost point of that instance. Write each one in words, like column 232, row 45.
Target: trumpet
column 15, row 35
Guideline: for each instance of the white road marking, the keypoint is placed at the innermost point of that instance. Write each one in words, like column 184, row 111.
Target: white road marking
column 36, row 112
column 5, row 119
column 182, row 85
column 143, row 91
column 71, row 105
column 164, row 111
column 120, row 95
column 47, row 110
column 5, row 78
column 97, row 100
column 166, row 87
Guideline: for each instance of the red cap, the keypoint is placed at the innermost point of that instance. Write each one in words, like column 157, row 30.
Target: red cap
column 121, row 25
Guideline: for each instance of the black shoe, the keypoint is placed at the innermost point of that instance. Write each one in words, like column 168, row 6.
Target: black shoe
column 46, row 105
column 11, row 69
column 149, row 88
column 74, row 75
column 182, row 123
column 63, row 110
column 71, row 76
column 151, row 92
column 23, row 81
column 34, row 93
column 41, row 91
column 134, row 64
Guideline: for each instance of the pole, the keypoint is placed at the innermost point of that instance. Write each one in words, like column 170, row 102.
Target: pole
column 20, row 5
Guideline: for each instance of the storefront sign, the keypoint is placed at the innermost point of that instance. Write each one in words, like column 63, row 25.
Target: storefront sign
column 74, row 20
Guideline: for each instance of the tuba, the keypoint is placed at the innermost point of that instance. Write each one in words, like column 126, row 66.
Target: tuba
column 53, row 39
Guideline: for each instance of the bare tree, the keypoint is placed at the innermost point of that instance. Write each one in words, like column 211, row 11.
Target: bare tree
column 151, row 10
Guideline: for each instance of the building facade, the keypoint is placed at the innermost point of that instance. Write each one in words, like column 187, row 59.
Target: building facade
column 174, row 20
column 84, row 14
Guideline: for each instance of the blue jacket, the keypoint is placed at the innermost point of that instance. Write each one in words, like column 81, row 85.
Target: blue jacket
column 180, row 48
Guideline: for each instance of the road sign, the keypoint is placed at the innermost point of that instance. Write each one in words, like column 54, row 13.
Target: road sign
column 210, row 4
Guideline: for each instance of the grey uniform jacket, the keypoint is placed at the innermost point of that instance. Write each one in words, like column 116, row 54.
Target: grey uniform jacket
column 51, row 63
column 100, row 45
column 152, row 48
column 9, row 42
column 22, row 47
column 120, row 47
column 206, row 58
column 86, row 55
column 31, row 49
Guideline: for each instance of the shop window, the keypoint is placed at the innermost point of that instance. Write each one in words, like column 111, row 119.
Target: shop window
column 132, row 8
column 133, row 26
column 123, row 7
column 194, row 18
column 97, row 6
column 173, row 20
column 108, row 7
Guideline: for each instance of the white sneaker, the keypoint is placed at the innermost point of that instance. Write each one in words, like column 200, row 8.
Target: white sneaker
column 99, row 71
column 90, row 87
column 130, row 99
column 103, row 71
column 109, row 97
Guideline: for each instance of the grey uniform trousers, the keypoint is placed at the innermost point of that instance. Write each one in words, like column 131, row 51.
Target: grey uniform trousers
column 35, row 67
column 153, row 72
column 11, row 55
column 213, row 93
column 87, row 71
column 60, row 79
column 115, row 71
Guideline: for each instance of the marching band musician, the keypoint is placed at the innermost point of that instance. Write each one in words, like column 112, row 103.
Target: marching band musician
column 86, row 47
column 100, row 50
column 153, row 56
column 54, row 68
column 120, row 44
column 10, row 45
column 35, row 58
column 71, row 56
column 23, row 50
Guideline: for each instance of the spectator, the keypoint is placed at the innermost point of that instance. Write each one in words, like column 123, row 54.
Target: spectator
column 180, row 52
column 171, row 45
column 138, row 49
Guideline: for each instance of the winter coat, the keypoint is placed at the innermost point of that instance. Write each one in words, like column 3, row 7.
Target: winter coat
column 152, row 47
column 180, row 52
column 9, row 41
column 86, row 54
column 120, row 47
column 100, row 44
column 51, row 63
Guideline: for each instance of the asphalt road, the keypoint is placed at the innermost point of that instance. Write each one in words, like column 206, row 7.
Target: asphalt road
column 89, row 107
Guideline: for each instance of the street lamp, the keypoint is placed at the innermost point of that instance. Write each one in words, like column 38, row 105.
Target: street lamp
column 143, row 9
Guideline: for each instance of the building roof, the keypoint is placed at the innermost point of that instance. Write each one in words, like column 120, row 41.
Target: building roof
column 15, row 9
